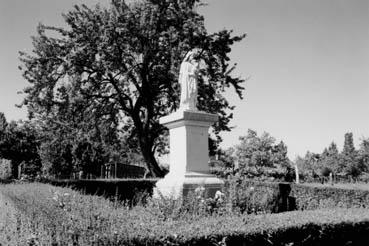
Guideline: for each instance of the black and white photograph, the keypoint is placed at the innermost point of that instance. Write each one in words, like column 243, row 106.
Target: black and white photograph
column 184, row 122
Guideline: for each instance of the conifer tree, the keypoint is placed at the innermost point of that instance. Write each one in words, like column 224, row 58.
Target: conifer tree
column 349, row 159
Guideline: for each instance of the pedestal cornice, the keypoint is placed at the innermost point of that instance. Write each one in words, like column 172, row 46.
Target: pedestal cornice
column 180, row 118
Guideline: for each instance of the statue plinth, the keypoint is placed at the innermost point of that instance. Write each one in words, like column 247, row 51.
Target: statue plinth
column 189, row 154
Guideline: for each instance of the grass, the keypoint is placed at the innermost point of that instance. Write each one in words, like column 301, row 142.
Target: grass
column 41, row 214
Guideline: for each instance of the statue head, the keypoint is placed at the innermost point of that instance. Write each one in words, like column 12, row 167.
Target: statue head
column 192, row 54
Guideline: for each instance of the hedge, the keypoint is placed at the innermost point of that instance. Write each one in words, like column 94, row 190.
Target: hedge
column 249, row 195
column 121, row 189
column 319, row 227
column 290, row 196
column 6, row 181
column 68, row 218
column 252, row 196
column 309, row 196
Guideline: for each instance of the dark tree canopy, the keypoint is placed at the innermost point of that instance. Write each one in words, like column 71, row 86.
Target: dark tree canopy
column 73, row 143
column 121, row 64
column 19, row 143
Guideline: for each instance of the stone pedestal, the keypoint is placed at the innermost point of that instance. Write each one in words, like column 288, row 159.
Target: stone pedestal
column 189, row 154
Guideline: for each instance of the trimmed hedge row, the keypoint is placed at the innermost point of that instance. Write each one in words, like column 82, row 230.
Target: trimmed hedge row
column 309, row 196
column 122, row 189
column 249, row 195
column 319, row 227
column 68, row 218
column 290, row 196
column 6, row 181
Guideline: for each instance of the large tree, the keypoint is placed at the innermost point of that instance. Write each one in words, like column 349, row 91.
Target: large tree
column 123, row 62
column 260, row 156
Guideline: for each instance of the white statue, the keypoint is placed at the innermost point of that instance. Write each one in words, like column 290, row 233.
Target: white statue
column 188, row 76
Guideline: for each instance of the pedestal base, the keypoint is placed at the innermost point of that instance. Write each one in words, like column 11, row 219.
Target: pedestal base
column 189, row 155
column 176, row 187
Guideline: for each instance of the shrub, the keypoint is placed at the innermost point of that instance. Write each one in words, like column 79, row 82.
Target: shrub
column 364, row 177
column 59, row 216
column 241, row 195
column 325, row 171
column 249, row 196
column 256, row 196
column 314, row 196
column 131, row 190
column 5, row 181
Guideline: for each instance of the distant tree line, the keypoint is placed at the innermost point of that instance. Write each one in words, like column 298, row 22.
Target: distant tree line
column 348, row 164
column 261, row 158
column 54, row 149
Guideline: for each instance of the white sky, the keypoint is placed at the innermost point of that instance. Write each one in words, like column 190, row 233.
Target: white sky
column 308, row 62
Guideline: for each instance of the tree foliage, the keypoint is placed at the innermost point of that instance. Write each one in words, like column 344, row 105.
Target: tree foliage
column 19, row 143
column 347, row 164
column 3, row 123
column 259, row 156
column 363, row 155
column 330, row 159
column 123, row 62
column 82, row 146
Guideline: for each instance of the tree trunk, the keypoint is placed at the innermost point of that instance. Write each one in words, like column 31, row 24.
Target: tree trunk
column 146, row 146
column 152, row 164
column 14, row 169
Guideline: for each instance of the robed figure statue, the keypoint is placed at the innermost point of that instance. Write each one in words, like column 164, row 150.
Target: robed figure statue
column 188, row 77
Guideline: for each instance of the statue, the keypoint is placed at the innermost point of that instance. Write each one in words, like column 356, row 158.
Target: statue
column 188, row 76
column 188, row 137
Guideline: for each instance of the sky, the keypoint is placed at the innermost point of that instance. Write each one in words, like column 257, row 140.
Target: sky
column 306, row 64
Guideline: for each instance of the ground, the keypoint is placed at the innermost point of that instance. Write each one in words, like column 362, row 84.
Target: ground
column 8, row 214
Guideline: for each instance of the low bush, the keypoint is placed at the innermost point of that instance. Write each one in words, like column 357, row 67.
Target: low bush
column 252, row 196
column 59, row 216
column 278, row 197
column 243, row 195
column 132, row 190
column 5, row 181
column 315, row 196
column 248, row 196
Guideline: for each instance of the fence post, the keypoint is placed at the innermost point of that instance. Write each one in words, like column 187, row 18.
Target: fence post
column 297, row 174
